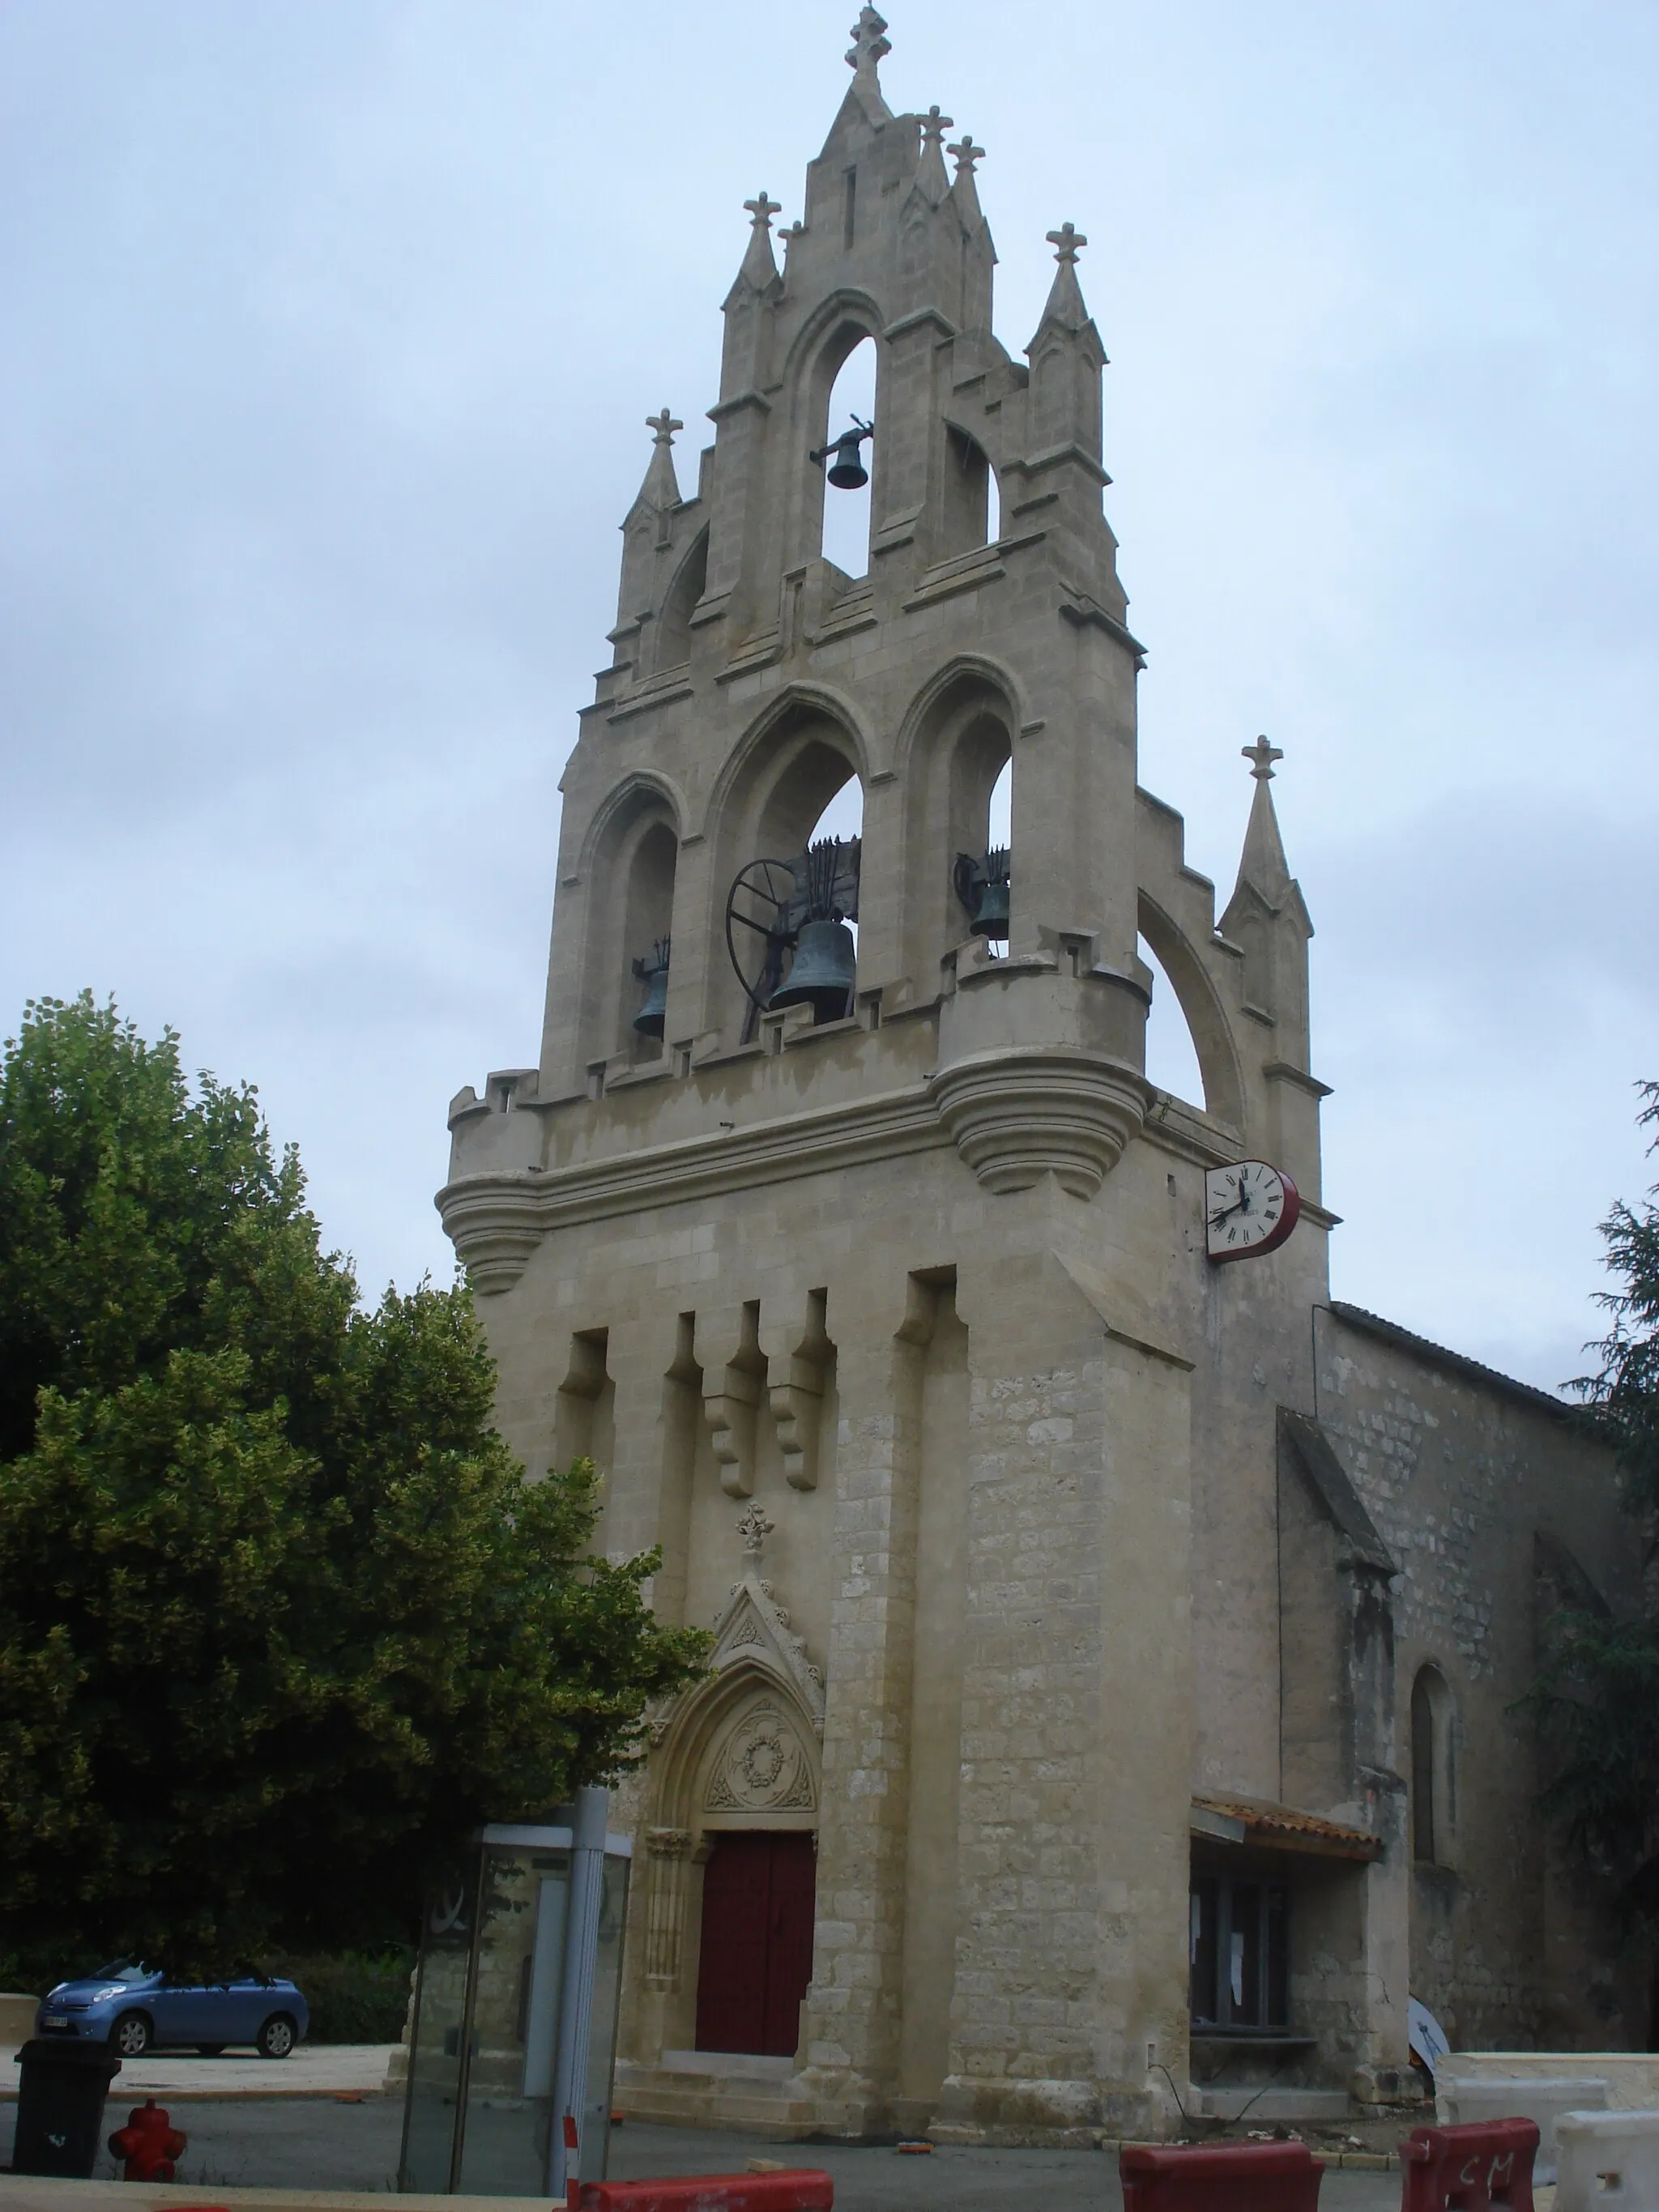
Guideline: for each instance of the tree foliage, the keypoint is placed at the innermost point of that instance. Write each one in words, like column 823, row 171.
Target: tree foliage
column 280, row 1617
column 1598, row 1692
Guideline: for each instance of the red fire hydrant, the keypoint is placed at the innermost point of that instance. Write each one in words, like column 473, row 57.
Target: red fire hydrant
column 149, row 2143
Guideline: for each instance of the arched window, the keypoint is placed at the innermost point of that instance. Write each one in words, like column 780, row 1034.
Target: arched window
column 1172, row 1061
column 972, row 511
column 674, row 624
column 1433, row 1806
column 847, row 513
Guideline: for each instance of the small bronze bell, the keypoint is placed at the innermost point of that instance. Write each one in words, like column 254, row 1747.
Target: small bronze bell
column 982, row 888
column 991, row 917
column 822, row 972
column 846, row 471
column 653, row 972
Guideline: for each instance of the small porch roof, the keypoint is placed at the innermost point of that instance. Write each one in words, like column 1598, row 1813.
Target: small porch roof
column 1279, row 1827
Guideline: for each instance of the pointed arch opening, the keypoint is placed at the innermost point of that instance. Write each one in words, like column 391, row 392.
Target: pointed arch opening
column 799, row 780
column 1172, row 1061
column 845, row 539
column 630, row 873
column 674, row 624
column 959, row 759
column 971, row 506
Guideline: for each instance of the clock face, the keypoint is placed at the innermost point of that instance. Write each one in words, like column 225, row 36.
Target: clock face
column 1249, row 1208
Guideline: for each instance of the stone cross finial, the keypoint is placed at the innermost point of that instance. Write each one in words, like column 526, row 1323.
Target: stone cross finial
column 1068, row 242
column 965, row 152
column 754, row 1528
column 796, row 230
column 869, row 44
column 762, row 210
column 1262, row 755
column 934, row 126
column 664, row 426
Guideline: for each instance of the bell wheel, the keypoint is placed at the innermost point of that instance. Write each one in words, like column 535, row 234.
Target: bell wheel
column 757, row 930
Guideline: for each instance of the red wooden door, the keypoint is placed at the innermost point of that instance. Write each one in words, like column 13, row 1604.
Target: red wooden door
column 757, row 1954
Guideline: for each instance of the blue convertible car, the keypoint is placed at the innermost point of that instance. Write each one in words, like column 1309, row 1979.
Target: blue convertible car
column 134, row 2009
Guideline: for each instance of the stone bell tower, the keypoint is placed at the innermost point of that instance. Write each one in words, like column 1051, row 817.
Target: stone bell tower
column 888, row 1314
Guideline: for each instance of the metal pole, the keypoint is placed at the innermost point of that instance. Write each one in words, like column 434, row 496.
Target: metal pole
column 581, row 1945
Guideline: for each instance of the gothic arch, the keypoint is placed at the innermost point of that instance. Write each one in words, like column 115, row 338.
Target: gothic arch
column 842, row 322
column 629, row 864
column 955, row 737
column 636, row 790
column 1200, row 1002
column 672, row 644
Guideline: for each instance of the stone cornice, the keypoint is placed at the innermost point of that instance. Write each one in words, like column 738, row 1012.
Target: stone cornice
column 495, row 1221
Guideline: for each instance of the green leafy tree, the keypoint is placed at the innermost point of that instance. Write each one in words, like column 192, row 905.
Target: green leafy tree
column 1598, row 1692
column 280, row 1617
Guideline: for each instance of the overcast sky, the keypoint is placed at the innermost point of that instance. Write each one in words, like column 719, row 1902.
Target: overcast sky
column 331, row 328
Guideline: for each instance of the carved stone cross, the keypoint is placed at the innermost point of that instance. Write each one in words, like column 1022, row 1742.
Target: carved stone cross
column 763, row 210
column 665, row 426
column 934, row 126
column 796, row 230
column 965, row 152
column 754, row 1528
column 1067, row 241
column 868, row 45
column 1262, row 755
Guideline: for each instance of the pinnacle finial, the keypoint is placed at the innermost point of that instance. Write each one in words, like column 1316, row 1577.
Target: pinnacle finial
column 1068, row 242
column 869, row 44
column 965, row 154
column 1262, row 755
column 762, row 210
column 934, row 126
column 664, row 426
column 794, row 233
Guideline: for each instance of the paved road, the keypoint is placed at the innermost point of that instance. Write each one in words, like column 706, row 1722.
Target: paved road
column 318, row 2142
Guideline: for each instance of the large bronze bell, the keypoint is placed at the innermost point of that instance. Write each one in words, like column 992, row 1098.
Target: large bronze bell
column 653, row 972
column 822, row 976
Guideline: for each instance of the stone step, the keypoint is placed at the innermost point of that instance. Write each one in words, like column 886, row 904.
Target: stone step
column 678, row 2098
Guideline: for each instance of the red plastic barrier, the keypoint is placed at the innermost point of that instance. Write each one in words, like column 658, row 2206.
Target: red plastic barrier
column 1469, row 2168
column 149, row 2143
column 1273, row 2177
column 803, row 2188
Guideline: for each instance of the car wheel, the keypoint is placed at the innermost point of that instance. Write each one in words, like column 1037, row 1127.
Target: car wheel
column 276, row 2038
column 130, row 2036
column 209, row 2050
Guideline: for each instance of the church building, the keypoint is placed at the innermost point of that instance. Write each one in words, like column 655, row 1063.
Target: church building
column 1110, row 1711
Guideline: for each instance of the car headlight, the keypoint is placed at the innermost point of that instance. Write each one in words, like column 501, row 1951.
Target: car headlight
column 102, row 1996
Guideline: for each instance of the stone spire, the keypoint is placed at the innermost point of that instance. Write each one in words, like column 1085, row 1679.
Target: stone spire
column 1262, row 865
column 930, row 175
column 1065, row 309
column 870, row 43
column 759, row 269
column 963, row 192
column 661, row 486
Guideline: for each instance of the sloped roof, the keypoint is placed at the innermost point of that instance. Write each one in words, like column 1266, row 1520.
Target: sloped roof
column 1283, row 1828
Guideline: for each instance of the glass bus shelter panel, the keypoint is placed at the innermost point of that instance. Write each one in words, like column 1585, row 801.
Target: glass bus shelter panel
column 431, row 2100
column 519, row 1957
column 595, row 2137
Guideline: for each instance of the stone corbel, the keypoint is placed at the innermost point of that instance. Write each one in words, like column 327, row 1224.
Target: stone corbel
column 729, row 1406
column 798, row 1374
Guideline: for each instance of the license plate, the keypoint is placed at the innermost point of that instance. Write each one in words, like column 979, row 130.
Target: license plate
column 54, row 2019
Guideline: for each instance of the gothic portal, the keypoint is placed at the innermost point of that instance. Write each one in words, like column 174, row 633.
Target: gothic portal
column 1071, row 1590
